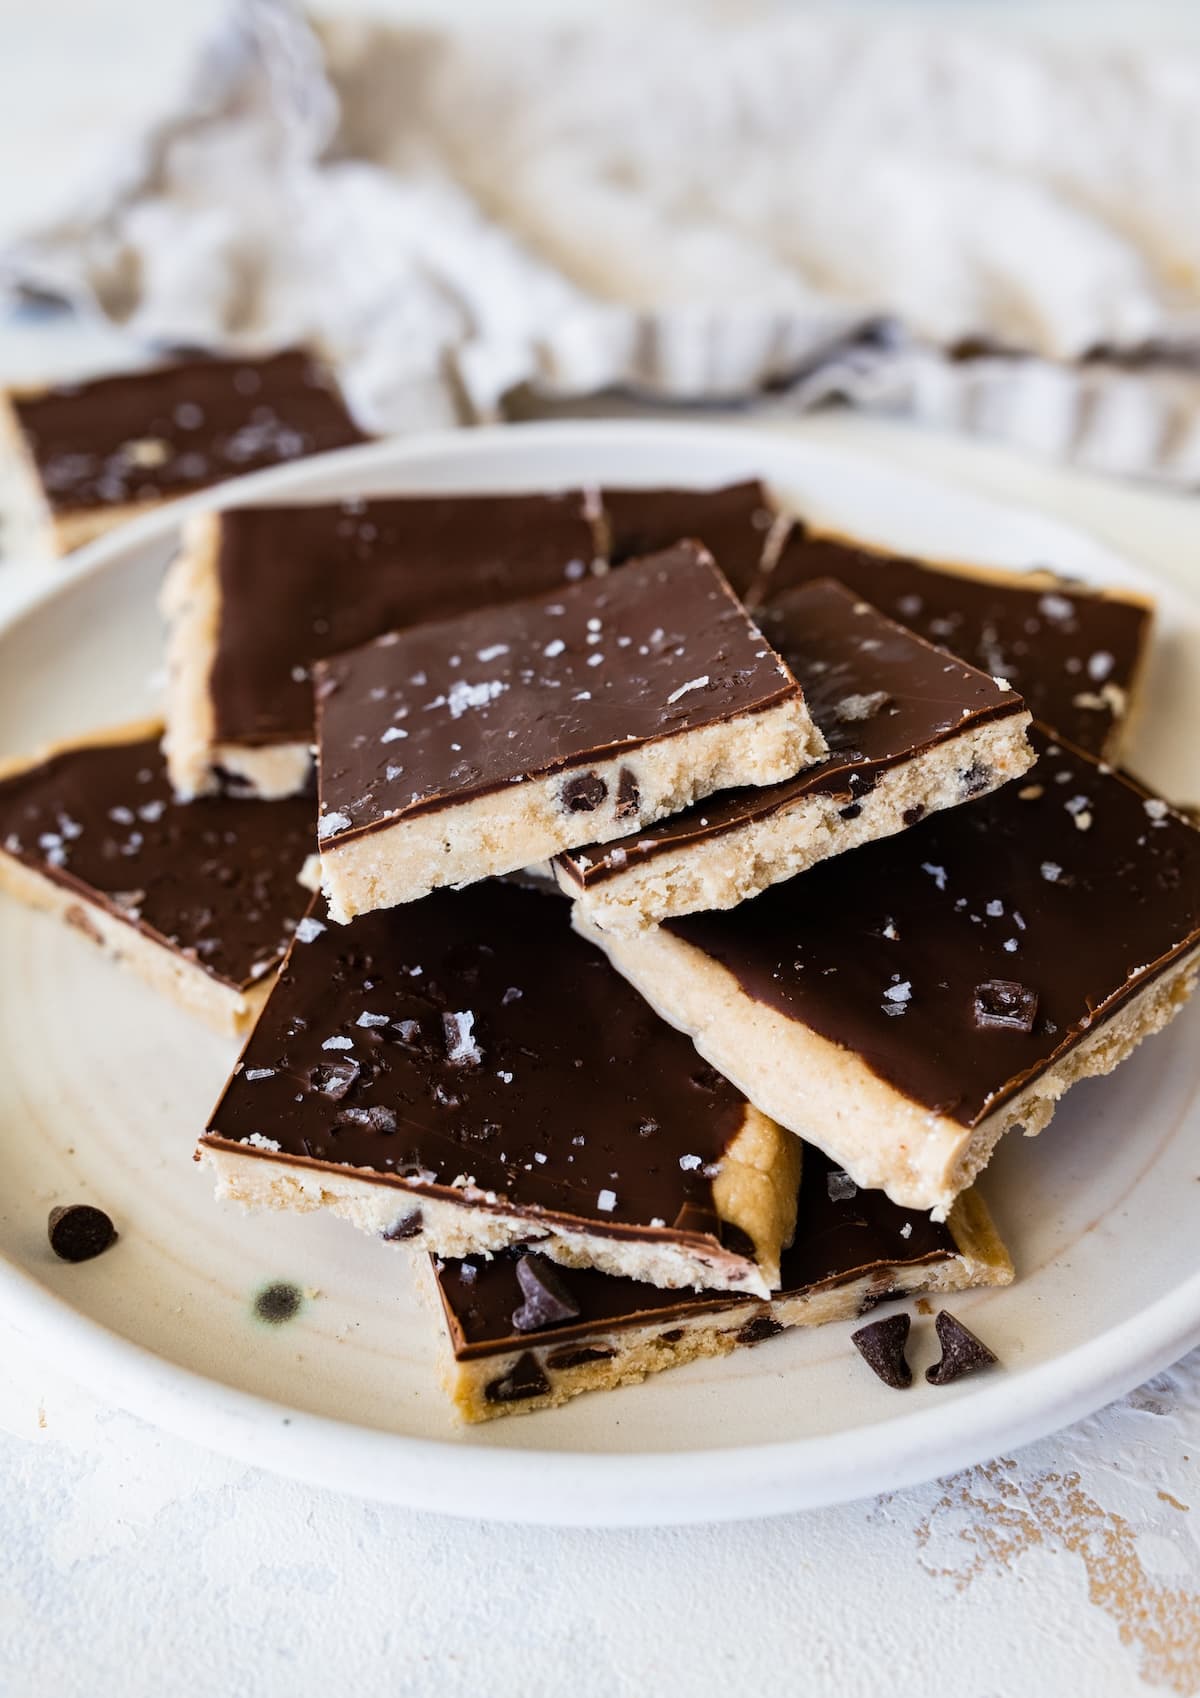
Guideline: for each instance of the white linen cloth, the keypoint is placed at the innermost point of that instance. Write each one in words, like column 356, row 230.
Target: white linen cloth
column 785, row 209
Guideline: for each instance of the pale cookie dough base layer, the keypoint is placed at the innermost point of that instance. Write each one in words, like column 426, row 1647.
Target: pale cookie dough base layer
column 222, row 1006
column 830, row 1097
column 720, row 872
column 190, row 603
column 669, row 1341
column 525, row 822
column 756, row 1191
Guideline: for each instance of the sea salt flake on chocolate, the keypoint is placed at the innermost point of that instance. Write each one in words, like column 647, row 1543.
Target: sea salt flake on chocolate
column 687, row 1163
column 692, row 684
column 1057, row 608
column 461, row 1047
column 493, row 652
column 606, row 1200
column 338, row 1043
column 1051, row 871
column 1100, row 665
column 463, row 696
column 309, row 930
column 328, row 824
column 259, row 1073
column 840, row 1186
column 1005, row 1005
column 548, row 1301
column 1156, row 809
column 962, row 1352
column 258, row 1141
column 937, row 874
column 896, row 998
column 851, row 709
column 393, row 734
column 881, row 1346
column 366, row 1019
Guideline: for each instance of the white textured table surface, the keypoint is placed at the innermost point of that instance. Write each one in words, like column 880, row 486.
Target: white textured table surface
column 133, row 1563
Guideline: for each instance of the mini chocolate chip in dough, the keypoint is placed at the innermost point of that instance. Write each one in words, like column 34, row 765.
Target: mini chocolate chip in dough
column 547, row 1299
column 407, row 1226
column 962, row 1352
column 1005, row 1005
column 77, row 1232
column 628, row 795
column 524, row 1379
column 577, row 1356
column 881, row 1346
column 760, row 1327
column 584, row 793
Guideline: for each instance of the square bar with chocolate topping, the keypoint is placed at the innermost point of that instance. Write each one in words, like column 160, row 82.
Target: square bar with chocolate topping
column 1073, row 652
column 100, row 452
column 905, row 1005
column 523, row 1335
column 464, row 1074
column 737, row 524
column 259, row 593
column 910, row 731
column 200, row 901
column 479, row 745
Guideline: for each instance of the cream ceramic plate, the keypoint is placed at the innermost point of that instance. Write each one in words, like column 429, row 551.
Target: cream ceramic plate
column 103, row 1088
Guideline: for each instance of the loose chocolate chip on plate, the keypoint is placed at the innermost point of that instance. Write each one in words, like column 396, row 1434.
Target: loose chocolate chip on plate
column 1004, row 1005
column 584, row 794
column 547, row 1299
column 524, row 1379
column 881, row 1346
column 77, row 1232
column 962, row 1352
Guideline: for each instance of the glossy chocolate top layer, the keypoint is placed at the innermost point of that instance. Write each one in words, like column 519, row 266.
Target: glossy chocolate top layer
column 151, row 434
column 425, row 718
column 215, row 880
column 880, row 695
column 1072, row 654
column 841, row 1237
column 470, row 1043
column 732, row 523
column 1071, row 883
column 300, row 583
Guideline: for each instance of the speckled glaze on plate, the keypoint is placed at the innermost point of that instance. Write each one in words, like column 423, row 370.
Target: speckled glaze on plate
column 331, row 1376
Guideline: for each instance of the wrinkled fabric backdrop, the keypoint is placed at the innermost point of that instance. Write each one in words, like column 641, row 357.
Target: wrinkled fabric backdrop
column 986, row 231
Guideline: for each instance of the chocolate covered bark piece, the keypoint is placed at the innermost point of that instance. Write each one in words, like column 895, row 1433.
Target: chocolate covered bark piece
column 259, row 593
column 479, row 745
column 736, row 523
column 200, row 901
column 910, row 731
column 907, row 1004
column 100, row 452
column 1074, row 653
column 851, row 1250
column 464, row 1073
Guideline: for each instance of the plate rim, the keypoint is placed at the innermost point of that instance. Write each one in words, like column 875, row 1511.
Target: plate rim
column 566, row 1486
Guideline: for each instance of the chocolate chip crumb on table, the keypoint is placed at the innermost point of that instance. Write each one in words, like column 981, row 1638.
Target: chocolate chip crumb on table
column 910, row 731
column 464, row 1073
column 907, row 1004
column 851, row 1250
column 200, row 901
column 480, row 745
column 100, row 452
